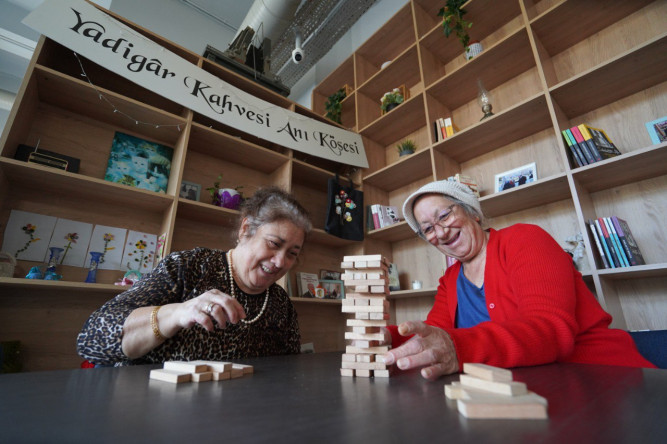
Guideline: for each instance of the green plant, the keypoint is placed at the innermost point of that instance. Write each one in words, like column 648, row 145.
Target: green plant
column 452, row 20
column 392, row 97
column 406, row 147
column 216, row 186
column 333, row 105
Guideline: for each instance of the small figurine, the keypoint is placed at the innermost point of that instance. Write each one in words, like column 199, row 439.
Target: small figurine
column 51, row 275
column 578, row 253
column 34, row 273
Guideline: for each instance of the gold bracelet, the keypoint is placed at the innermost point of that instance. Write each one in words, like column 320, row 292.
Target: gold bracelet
column 154, row 324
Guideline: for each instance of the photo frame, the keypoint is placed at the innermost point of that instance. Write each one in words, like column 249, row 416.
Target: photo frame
column 333, row 289
column 189, row 190
column 139, row 163
column 516, row 177
column 306, row 284
column 657, row 129
column 330, row 275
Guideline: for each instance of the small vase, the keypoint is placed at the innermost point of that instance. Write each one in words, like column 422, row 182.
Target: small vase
column 405, row 153
column 50, row 273
column 391, row 106
column 228, row 198
column 92, row 270
column 473, row 49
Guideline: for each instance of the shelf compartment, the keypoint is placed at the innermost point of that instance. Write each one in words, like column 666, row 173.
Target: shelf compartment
column 625, row 169
column 406, row 118
column 409, row 294
column 542, row 192
column 401, row 173
column 497, row 65
column 343, row 75
column 206, row 213
column 320, row 237
column 624, row 75
column 393, row 233
column 45, row 288
column 400, row 72
column 635, row 272
column 522, row 120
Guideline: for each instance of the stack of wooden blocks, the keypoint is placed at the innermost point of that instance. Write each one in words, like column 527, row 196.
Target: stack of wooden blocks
column 199, row 371
column 491, row 393
column 366, row 283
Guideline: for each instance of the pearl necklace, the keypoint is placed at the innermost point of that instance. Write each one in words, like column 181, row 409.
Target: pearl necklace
column 232, row 284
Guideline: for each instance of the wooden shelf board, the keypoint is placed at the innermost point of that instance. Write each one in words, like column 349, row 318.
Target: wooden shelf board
column 206, row 213
column 495, row 66
column 624, row 75
column 63, row 183
column 544, row 191
column 635, row 166
column 409, row 294
column 400, row 72
column 635, row 272
column 321, row 237
column 38, row 286
column 316, row 301
column 79, row 97
column 528, row 117
column 404, row 119
column 393, row 233
column 548, row 26
column 407, row 170
column 234, row 149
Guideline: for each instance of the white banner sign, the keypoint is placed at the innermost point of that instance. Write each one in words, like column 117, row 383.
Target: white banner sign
column 90, row 32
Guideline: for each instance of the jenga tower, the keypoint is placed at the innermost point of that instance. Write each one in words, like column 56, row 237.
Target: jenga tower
column 366, row 290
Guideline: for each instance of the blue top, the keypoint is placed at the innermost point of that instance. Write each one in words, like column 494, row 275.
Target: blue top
column 471, row 309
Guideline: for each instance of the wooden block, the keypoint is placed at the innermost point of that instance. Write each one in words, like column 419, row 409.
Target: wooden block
column 361, row 289
column 185, row 366
column 374, row 350
column 365, row 344
column 359, row 264
column 354, row 295
column 379, row 289
column 236, row 373
column 364, row 336
column 365, row 323
column 221, row 376
column 358, row 276
column 528, row 406
column 202, row 377
column 378, row 358
column 347, row 372
column 346, row 357
column 487, row 372
column 216, row 366
column 376, row 275
column 347, row 302
column 366, row 330
column 378, row 316
column 173, row 376
column 374, row 264
column 365, row 365
column 361, row 301
column 456, row 391
column 502, row 388
column 362, row 316
column 382, row 373
column 247, row 369
column 363, row 373
column 365, row 358
column 366, row 257
column 364, row 308
column 378, row 301
column 355, row 282
column 347, row 265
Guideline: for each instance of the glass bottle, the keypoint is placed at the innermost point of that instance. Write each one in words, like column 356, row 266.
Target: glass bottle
column 92, row 270
column 50, row 273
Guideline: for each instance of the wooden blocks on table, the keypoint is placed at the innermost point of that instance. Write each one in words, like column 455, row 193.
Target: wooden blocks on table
column 199, row 371
column 366, row 289
column 490, row 393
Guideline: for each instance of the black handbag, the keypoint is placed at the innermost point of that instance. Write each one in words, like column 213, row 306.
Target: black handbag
column 345, row 215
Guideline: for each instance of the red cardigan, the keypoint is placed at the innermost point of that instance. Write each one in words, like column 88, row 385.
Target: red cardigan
column 541, row 310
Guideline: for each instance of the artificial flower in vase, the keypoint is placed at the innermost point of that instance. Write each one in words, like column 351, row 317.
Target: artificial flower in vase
column 229, row 198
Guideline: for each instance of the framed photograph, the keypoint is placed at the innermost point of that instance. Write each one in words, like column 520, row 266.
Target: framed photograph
column 657, row 129
column 190, row 190
column 516, row 177
column 394, row 284
column 306, row 284
column 333, row 289
column 330, row 275
column 139, row 163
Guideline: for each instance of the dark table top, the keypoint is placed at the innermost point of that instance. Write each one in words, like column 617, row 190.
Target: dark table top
column 303, row 398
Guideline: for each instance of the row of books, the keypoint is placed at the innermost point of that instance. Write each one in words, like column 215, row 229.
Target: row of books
column 616, row 245
column 443, row 128
column 380, row 216
column 589, row 145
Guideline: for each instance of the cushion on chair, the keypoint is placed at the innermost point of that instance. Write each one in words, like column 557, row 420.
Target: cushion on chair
column 652, row 344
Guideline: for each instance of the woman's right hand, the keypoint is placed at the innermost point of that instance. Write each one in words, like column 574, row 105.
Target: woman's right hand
column 210, row 309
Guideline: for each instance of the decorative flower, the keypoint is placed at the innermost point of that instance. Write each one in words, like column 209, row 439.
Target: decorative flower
column 393, row 97
column 70, row 238
column 141, row 244
column 29, row 229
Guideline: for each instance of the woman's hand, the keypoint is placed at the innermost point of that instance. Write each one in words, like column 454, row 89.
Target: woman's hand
column 213, row 305
column 430, row 347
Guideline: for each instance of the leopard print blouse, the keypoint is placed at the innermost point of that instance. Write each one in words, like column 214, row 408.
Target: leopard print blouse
column 179, row 277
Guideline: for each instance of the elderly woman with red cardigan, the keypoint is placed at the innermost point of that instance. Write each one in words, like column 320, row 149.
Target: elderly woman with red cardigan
column 513, row 298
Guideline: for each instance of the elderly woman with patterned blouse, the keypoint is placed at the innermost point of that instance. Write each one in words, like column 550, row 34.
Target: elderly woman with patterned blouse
column 210, row 304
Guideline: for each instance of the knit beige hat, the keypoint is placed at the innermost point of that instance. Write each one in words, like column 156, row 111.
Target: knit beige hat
column 448, row 188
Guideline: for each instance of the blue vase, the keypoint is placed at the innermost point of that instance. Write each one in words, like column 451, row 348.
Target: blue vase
column 50, row 273
column 92, row 270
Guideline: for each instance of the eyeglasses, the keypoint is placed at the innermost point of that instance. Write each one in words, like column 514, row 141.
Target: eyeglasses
column 428, row 231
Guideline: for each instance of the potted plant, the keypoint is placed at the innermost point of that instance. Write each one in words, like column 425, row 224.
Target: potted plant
column 333, row 105
column 229, row 198
column 452, row 21
column 391, row 100
column 406, row 147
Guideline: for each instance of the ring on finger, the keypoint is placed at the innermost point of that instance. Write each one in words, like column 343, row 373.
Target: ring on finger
column 209, row 308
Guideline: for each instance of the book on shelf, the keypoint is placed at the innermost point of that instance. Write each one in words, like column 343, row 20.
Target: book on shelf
column 583, row 146
column 596, row 238
column 623, row 262
column 602, row 142
column 574, row 148
column 466, row 180
column 610, row 243
column 449, row 127
column 384, row 216
column 605, row 244
column 588, row 139
column 628, row 242
column 370, row 225
column 375, row 214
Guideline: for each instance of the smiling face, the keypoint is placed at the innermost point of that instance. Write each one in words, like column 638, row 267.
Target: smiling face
column 462, row 236
column 260, row 260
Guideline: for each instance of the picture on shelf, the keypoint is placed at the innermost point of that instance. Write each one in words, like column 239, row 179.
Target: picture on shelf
column 333, row 289
column 394, row 284
column 139, row 163
column 657, row 129
column 330, row 275
column 516, row 177
column 189, row 190
column 306, row 284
